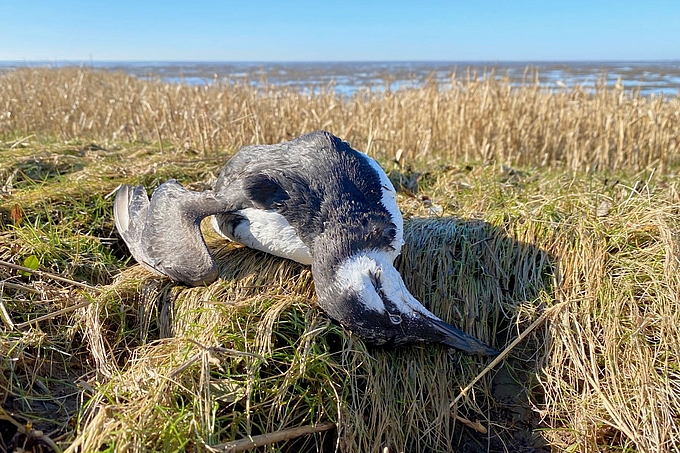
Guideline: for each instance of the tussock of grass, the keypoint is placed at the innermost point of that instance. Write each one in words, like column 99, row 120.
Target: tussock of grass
column 140, row 365
column 157, row 367
column 615, row 352
column 303, row 370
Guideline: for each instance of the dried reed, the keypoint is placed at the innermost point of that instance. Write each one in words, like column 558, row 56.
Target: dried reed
column 142, row 365
column 481, row 118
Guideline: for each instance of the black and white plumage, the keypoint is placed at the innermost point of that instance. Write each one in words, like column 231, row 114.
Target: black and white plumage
column 314, row 200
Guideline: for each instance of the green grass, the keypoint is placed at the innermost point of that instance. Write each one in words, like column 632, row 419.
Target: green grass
column 148, row 366
column 517, row 200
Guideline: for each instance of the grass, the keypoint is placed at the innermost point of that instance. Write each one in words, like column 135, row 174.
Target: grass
column 481, row 118
column 494, row 237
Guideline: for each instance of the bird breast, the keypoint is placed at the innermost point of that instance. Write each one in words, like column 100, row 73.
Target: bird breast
column 270, row 232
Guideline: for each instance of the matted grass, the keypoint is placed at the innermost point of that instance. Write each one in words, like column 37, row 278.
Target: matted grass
column 137, row 364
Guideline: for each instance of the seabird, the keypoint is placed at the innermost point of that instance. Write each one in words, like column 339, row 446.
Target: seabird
column 313, row 200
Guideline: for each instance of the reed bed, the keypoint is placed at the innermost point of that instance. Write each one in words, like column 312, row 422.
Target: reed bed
column 481, row 117
column 110, row 358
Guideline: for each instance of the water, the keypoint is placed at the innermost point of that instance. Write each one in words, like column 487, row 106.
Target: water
column 346, row 78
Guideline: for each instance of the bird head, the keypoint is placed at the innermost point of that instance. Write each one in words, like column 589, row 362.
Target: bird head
column 366, row 294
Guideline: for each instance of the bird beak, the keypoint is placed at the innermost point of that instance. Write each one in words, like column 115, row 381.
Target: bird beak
column 456, row 338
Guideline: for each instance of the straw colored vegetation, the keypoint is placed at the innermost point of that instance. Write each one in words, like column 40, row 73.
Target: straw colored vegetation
column 480, row 119
column 523, row 201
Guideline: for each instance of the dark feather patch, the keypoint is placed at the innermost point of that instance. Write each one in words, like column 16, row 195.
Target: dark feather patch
column 264, row 191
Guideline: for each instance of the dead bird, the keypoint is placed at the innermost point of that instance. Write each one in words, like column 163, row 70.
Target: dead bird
column 314, row 200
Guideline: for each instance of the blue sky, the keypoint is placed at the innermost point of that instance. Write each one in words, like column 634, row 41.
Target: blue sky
column 245, row 30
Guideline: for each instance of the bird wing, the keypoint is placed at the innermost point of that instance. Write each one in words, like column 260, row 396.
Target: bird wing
column 313, row 181
column 266, row 178
column 163, row 233
column 264, row 191
column 130, row 210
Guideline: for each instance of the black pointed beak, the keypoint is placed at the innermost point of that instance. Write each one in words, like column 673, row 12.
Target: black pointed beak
column 458, row 339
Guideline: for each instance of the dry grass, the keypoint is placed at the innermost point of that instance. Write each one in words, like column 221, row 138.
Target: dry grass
column 148, row 366
column 614, row 355
column 480, row 119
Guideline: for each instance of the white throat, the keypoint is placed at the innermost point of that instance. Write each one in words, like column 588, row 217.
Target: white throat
column 359, row 272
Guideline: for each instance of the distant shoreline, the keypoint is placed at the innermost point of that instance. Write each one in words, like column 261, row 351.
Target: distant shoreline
column 660, row 77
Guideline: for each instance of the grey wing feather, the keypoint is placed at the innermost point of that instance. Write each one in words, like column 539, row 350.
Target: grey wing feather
column 163, row 234
column 121, row 203
column 130, row 210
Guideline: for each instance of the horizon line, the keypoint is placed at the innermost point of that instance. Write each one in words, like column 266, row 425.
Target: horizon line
column 481, row 61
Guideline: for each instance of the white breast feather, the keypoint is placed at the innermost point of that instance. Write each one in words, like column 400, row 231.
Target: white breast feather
column 270, row 232
column 218, row 230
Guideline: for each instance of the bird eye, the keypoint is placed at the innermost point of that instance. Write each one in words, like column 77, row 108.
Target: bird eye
column 395, row 319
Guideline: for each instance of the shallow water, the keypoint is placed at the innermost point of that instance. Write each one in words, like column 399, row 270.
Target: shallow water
column 651, row 78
